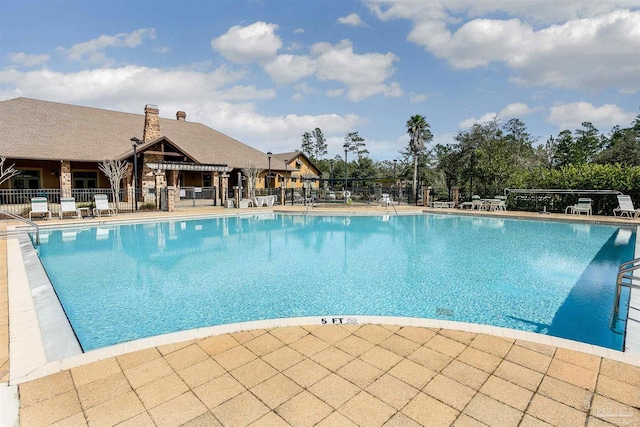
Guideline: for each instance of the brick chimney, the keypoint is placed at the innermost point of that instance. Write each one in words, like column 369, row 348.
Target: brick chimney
column 151, row 123
column 181, row 116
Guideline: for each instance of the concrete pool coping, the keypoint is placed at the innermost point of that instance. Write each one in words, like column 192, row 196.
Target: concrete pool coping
column 25, row 374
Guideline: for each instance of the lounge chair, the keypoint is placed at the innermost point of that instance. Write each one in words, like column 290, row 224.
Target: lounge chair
column 39, row 206
column 583, row 206
column 102, row 205
column 270, row 201
column 626, row 207
column 476, row 202
column 385, row 199
column 245, row 203
column 498, row 204
column 68, row 206
column 297, row 197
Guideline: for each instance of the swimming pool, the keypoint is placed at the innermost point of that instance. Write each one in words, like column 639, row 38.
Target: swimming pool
column 123, row 282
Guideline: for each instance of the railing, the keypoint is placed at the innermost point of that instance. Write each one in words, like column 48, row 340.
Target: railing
column 557, row 200
column 19, row 201
column 197, row 196
column 625, row 277
column 21, row 219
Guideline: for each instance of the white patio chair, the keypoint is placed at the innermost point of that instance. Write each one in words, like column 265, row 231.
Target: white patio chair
column 68, row 206
column 385, row 199
column 583, row 206
column 39, row 206
column 102, row 205
column 626, row 207
column 476, row 202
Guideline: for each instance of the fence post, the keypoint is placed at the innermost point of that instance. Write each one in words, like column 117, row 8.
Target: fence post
column 455, row 196
column 171, row 199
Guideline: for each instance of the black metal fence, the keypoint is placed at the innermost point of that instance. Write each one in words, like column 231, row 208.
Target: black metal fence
column 197, row 196
column 19, row 201
column 356, row 195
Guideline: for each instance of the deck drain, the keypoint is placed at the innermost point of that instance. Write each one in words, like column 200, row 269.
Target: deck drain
column 447, row 312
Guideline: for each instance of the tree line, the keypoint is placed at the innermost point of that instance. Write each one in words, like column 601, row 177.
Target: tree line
column 491, row 156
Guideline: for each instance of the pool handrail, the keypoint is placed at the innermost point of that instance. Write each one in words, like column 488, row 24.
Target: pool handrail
column 625, row 272
column 27, row 221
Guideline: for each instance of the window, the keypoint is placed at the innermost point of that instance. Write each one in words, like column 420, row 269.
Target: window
column 26, row 180
column 206, row 180
column 85, row 179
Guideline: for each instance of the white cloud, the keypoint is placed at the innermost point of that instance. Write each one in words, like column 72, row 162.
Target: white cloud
column 364, row 74
column 487, row 117
column 244, row 93
column 416, row 98
column 297, row 97
column 516, row 109
column 334, row 93
column 256, row 42
column 298, row 31
column 289, row 68
column 353, row 20
column 27, row 60
column 569, row 44
column 114, row 84
column 570, row 116
column 92, row 50
column 305, row 88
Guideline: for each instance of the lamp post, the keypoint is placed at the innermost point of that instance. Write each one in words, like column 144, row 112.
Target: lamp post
column 395, row 163
column 135, row 141
column 346, row 182
column 269, row 153
column 330, row 173
column 471, row 159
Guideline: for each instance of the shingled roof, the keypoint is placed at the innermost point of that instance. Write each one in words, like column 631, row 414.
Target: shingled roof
column 43, row 130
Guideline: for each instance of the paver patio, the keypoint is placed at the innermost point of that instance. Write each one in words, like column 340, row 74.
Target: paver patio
column 235, row 380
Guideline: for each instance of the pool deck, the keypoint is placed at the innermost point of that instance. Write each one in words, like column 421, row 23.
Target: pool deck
column 404, row 372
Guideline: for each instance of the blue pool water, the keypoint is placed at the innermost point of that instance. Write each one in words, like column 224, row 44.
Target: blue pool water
column 125, row 282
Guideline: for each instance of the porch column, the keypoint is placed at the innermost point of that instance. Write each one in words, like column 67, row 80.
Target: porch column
column 172, row 181
column 224, row 185
column 171, row 198
column 215, row 182
column 65, row 179
column 160, row 184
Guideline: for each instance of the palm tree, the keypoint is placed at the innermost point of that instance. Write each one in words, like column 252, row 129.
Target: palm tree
column 419, row 135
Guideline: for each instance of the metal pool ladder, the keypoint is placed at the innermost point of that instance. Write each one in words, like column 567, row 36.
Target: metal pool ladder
column 26, row 221
column 625, row 277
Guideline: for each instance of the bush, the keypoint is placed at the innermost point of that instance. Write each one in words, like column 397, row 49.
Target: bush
column 588, row 176
column 147, row 207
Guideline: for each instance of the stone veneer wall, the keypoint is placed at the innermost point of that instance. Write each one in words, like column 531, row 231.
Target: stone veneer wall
column 65, row 179
column 148, row 178
column 151, row 123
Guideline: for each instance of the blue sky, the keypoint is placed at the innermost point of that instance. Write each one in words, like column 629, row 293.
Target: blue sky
column 264, row 72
